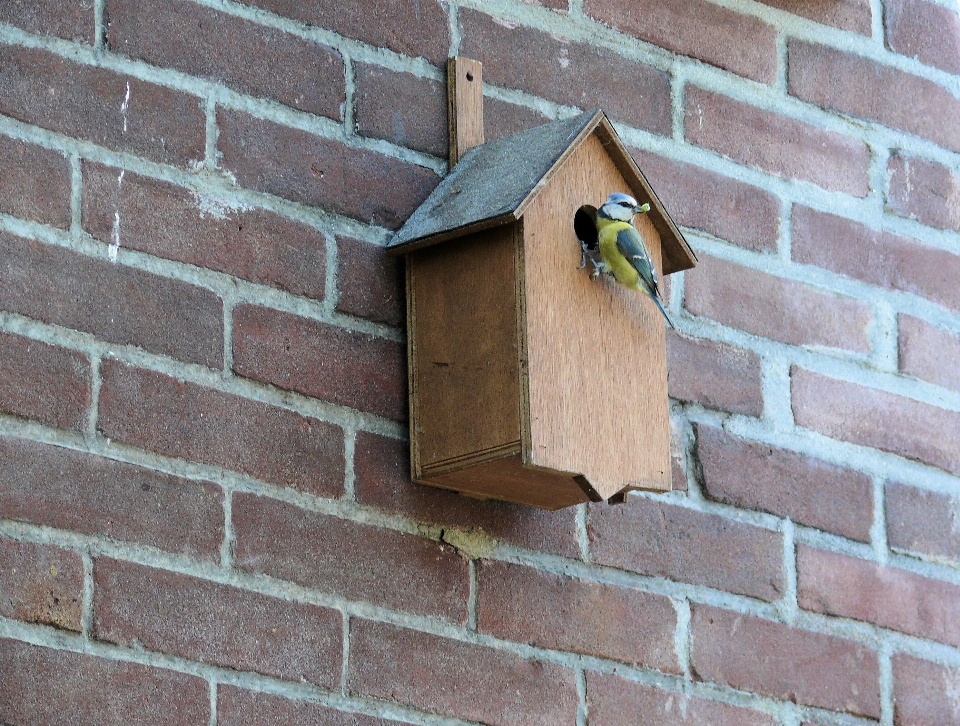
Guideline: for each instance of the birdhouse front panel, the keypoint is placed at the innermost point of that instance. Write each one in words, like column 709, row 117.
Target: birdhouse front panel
column 597, row 376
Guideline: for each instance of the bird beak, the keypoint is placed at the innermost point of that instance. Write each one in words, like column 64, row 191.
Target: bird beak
column 642, row 209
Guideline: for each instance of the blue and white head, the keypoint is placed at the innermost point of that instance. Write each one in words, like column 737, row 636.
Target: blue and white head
column 621, row 207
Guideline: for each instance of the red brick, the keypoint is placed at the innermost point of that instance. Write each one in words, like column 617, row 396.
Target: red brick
column 776, row 144
column 772, row 307
column 924, row 190
column 724, row 207
column 382, row 480
column 572, row 73
column 320, row 360
column 321, row 172
column 853, row 15
column 615, row 701
column 72, row 20
column 929, row 353
column 411, row 27
column 355, row 561
column 662, row 540
column 34, row 182
column 90, row 494
column 871, row 417
column 924, row 30
column 44, row 382
column 114, row 302
column 775, row 660
column 369, row 282
column 923, row 522
column 883, row 259
column 237, row 707
column 861, row 87
column 718, row 36
column 46, row 687
column 211, row 623
column 90, row 103
column 41, row 584
column 185, row 420
column 558, row 612
column 848, row 587
column 459, row 679
column 501, row 118
column 402, row 108
column 924, row 693
column 812, row 492
column 717, row 375
column 248, row 57
column 168, row 221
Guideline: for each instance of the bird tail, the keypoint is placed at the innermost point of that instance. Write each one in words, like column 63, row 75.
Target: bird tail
column 660, row 307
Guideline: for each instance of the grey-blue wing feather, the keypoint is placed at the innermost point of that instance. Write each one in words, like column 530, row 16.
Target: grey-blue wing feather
column 631, row 246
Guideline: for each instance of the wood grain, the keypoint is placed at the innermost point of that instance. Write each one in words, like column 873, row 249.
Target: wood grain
column 464, row 105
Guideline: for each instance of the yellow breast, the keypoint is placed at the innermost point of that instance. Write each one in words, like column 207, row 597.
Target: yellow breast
column 622, row 270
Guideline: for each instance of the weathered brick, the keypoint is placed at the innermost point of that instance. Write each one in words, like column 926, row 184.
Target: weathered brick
column 928, row 352
column 239, row 707
column 775, row 660
column 924, row 190
column 923, row 522
column 772, row 307
column 185, row 420
column 501, row 118
column 848, row 587
column 369, row 282
column 212, row 623
column 320, row 360
column 662, row 540
column 809, row 491
column 615, row 701
column 924, row 30
column 41, row 584
column 718, row 36
column 459, row 679
column 579, row 74
column 353, row 560
column 555, row 611
column 94, row 690
column 168, row 221
column 411, row 27
column 248, row 57
column 853, row 15
column 924, row 693
column 34, row 182
column 382, row 480
column 114, row 302
column 321, row 172
column 870, row 417
column 119, row 112
column 724, row 207
column 883, row 259
column 44, row 382
column 402, row 108
column 72, row 20
column 717, row 375
column 866, row 89
column 90, row 494
column 777, row 144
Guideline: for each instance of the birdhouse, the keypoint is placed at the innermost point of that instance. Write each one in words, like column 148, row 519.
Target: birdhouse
column 530, row 382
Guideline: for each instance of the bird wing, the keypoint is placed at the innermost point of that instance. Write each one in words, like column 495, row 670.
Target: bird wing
column 632, row 247
column 585, row 225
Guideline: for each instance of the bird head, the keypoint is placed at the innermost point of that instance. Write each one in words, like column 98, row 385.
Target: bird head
column 622, row 207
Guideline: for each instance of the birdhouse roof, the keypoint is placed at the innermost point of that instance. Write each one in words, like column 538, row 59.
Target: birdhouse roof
column 495, row 182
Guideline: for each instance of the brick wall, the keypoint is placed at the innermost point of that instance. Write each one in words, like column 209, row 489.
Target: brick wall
column 205, row 512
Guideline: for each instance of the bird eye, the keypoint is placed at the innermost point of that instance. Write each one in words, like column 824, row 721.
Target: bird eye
column 625, row 204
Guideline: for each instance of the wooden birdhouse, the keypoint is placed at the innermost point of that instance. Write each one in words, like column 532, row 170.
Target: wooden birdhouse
column 529, row 381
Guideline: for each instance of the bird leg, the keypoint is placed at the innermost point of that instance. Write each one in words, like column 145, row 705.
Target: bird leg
column 598, row 267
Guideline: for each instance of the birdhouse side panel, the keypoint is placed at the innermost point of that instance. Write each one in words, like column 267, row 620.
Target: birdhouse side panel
column 463, row 350
column 597, row 382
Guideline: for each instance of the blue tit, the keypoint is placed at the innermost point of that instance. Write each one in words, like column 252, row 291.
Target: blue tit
column 622, row 249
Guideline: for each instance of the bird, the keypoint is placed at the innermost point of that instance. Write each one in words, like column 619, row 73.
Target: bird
column 623, row 253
